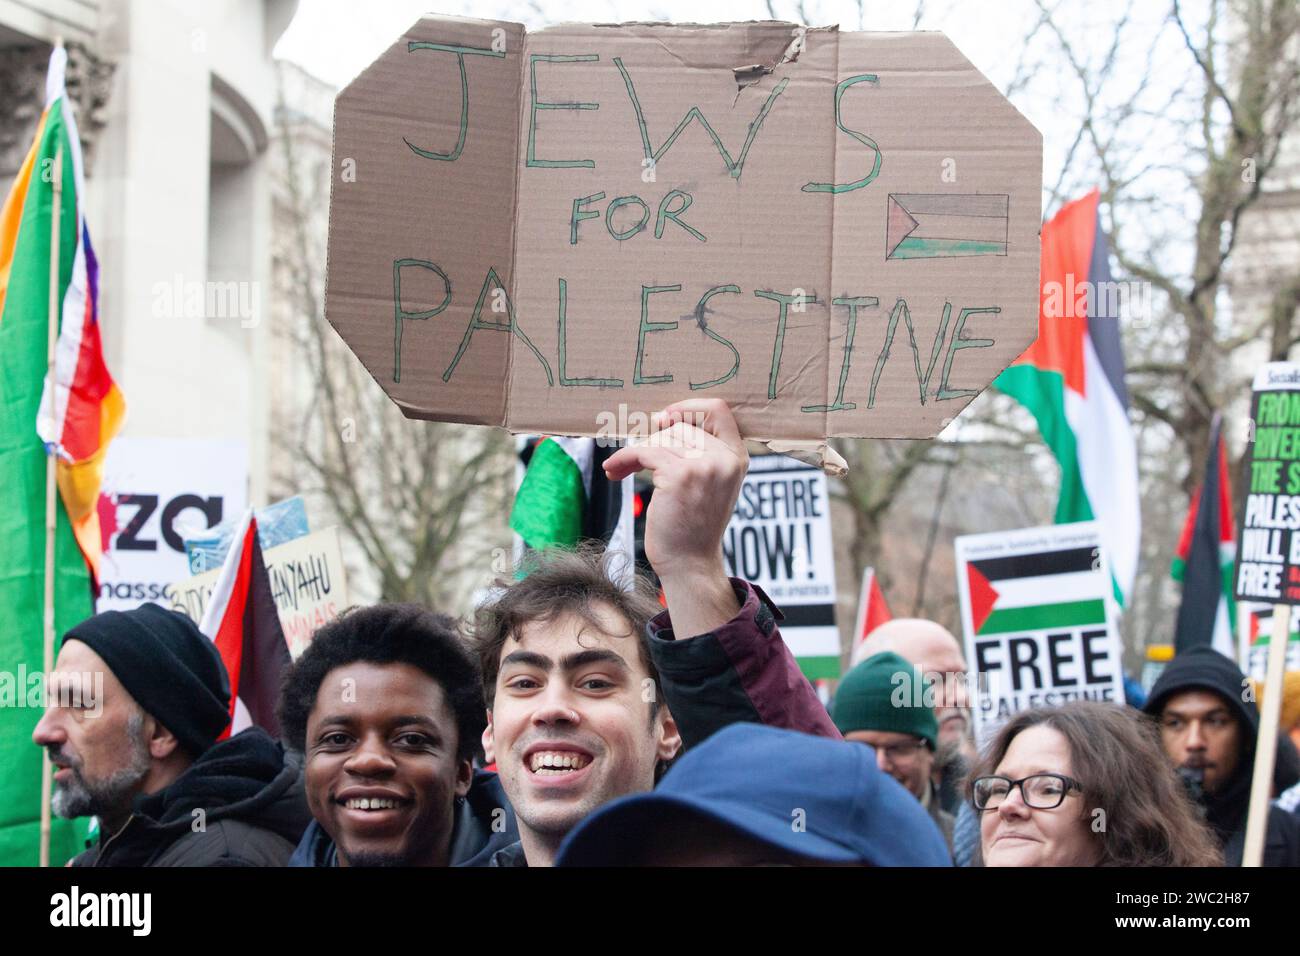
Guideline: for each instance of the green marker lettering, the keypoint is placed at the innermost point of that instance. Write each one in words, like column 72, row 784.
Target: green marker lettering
column 564, row 337
column 646, row 328
column 860, row 137
column 854, row 303
column 734, row 166
column 536, row 105
column 779, row 344
column 580, row 214
column 399, row 314
column 923, row 382
column 699, row 317
column 512, row 326
column 674, row 214
column 461, row 52
column 959, row 341
column 623, row 201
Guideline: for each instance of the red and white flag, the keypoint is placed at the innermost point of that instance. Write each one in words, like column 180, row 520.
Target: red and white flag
column 242, row 621
column 872, row 610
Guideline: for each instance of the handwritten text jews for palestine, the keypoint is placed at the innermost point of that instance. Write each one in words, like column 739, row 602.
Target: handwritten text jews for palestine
column 628, row 216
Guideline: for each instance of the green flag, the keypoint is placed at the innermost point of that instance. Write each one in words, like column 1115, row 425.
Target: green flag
column 25, row 252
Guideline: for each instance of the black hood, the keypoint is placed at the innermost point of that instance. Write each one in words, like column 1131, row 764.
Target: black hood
column 245, row 777
column 1204, row 669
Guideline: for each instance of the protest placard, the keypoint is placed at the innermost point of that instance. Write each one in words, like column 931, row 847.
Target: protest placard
column 1256, row 636
column 561, row 231
column 779, row 538
column 1268, row 558
column 1036, row 609
column 308, row 583
column 157, row 490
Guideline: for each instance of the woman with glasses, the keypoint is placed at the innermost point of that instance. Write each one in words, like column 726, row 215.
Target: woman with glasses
column 1084, row 784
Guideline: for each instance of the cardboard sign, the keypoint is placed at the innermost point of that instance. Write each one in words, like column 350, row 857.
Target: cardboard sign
column 1268, row 552
column 562, row 231
column 157, row 490
column 1036, row 608
column 779, row 538
column 308, row 583
column 1256, row 636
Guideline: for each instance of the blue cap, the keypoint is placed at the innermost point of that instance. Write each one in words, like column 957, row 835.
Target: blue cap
column 753, row 779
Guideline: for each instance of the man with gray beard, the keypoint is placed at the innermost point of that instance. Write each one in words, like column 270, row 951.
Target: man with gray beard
column 135, row 706
column 79, row 797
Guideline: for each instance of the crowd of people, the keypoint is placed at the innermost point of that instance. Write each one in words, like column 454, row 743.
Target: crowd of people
column 574, row 722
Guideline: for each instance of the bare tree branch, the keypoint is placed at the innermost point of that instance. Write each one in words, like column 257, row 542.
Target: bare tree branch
column 1204, row 62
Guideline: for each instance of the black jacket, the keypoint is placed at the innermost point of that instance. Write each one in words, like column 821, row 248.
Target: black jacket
column 1225, row 811
column 253, row 812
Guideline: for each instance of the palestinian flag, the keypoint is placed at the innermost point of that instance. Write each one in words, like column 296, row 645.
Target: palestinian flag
column 565, row 498
column 241, row 619
column 1031, row 592
column 1072, row 380
column 872, row 609
column 1206, row 553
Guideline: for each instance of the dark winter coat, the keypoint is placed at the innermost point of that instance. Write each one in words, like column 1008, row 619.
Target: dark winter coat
column 239, row 804
column 1225, row 811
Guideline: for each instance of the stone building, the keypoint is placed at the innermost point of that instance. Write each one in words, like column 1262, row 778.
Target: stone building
column 175, row 102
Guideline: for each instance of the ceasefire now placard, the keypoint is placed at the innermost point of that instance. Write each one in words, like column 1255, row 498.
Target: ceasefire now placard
column 779, row 538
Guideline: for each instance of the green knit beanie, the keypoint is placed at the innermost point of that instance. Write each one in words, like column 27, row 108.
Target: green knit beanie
column 868, row 694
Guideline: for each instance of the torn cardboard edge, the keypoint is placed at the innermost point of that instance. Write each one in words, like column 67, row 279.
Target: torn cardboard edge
column 889, row 421
column 818, row 454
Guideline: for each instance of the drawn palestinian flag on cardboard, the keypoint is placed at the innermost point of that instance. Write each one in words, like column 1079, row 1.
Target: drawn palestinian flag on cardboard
column 1031, row 592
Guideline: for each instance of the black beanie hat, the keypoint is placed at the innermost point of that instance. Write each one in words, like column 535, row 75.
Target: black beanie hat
column 168, row 665
column 1203, row 668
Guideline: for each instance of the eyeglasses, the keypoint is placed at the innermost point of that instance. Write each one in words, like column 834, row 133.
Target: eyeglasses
column 1042, row 791
column 897, row 752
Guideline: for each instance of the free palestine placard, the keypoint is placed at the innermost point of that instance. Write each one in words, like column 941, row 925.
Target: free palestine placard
column 1037, row 611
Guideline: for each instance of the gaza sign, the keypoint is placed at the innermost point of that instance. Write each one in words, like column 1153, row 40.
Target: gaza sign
column 837, row 233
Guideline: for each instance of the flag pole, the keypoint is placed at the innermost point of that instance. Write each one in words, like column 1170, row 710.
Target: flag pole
column 1261, row 786
column 51, row 491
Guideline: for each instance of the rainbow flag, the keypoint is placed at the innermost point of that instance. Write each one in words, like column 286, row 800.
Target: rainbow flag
column 81, row 407
column 1072, row 380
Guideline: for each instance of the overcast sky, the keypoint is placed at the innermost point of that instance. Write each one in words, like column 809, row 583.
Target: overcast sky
column 336, row 39
column 1151, row 72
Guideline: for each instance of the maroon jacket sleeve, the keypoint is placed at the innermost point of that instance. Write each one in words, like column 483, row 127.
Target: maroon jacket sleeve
column 742, row 671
